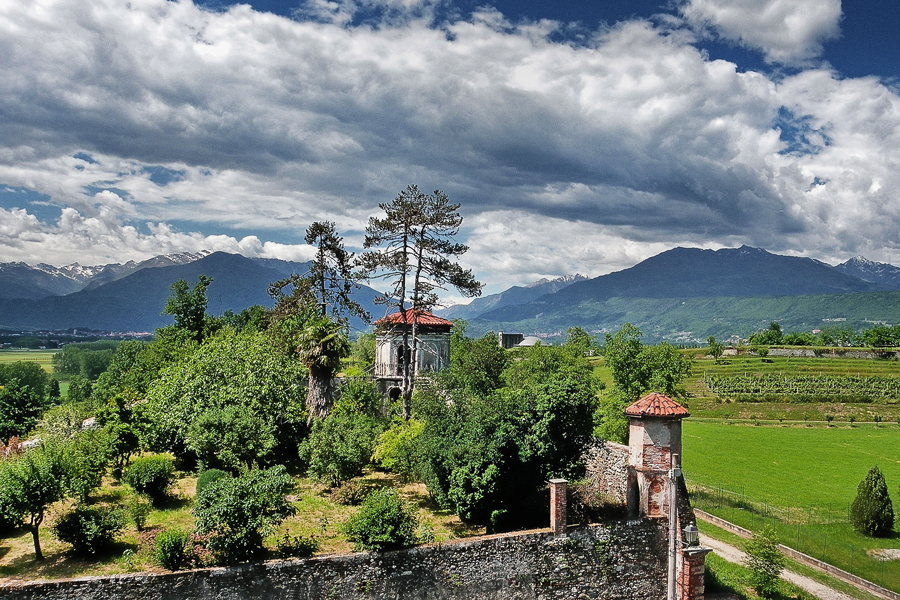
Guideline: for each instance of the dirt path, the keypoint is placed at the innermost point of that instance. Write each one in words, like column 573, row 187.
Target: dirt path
column 732, row 554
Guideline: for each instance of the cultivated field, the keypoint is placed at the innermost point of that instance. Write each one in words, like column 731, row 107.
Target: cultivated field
column 42, row 357
column 801, row 479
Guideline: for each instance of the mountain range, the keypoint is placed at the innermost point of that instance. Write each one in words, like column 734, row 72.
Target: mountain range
column 134, row 301
column 683, row 294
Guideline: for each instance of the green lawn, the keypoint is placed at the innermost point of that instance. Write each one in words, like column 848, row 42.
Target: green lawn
column 42, row 357
column 800, row 479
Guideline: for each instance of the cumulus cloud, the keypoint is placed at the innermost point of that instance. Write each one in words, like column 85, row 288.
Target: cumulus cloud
column 157, row 126
column 789, row 32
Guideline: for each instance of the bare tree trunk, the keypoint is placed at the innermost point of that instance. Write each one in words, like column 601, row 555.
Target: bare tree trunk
column 320, row 393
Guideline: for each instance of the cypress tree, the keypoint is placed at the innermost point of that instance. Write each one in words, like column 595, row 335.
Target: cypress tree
column 872, row 512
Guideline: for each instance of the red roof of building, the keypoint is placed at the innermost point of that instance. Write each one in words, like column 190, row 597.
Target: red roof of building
column 422, row 318
column 655, row 404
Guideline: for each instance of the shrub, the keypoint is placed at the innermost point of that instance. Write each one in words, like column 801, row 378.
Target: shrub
column 765, row 562
column 237, row 513
column 360, row 395
column 169, row 549
column 384, row 522
column 89, row 529
column 350, row 493
column 138, row 509
column 871, row 512
column 208, row 476
column 398, row 450
column 151, row 475
column 298, row 545
column 339, row 446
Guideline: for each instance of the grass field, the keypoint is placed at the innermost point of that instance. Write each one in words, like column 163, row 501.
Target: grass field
column 41, row 357
column 799, row 479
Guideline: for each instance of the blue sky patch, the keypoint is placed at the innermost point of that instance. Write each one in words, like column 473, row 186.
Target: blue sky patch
column 33, row 202
column 162, row 176
column 797, row 133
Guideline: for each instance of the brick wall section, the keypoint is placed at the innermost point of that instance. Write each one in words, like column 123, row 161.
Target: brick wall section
column 690, row 578
column 558, row 501
column 607, row 468
column 623, row 560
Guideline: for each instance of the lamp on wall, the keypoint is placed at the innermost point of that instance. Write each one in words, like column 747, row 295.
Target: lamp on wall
column 691, row 535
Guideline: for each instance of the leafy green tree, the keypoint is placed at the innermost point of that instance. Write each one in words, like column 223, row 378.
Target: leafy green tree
column 29, row 484
column 612, row 424
column 231, row 438
column 417, row 247
column 85, row 456
column 872, row 512
column 541, row 364
column 188, row 306
column 28, row 374
column 340, row 446
column 798, row 338
column 23, row 397
column 362, row 353
column 716, row 350
column 88, row 360
column 252, row 318
column 397, row 449
column 20, row 408
column 487, row 454
column 238, row 378
column 237, row 513
column 476, row 365
column 384, row 522
column 135, row 364
column 581, row 341
column 882, row 336
column 765, row 562
column 121, row 424
column 637, row 369
column 768, row 337
column 80, row 389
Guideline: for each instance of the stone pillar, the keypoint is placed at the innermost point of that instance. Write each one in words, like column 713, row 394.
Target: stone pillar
column 693, row 568
column 558, row 491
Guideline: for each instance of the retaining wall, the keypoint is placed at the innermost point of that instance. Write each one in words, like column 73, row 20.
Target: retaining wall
column 621, row 560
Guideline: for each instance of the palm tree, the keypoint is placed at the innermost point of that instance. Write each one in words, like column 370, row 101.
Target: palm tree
column 321, row 344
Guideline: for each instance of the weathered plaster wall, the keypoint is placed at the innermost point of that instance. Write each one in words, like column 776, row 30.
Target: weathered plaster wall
column 620, row 560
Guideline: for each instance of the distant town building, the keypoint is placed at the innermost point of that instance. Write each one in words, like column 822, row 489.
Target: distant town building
column 510, row 340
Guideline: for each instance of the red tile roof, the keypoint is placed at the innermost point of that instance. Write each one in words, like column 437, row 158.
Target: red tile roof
column 657, row 405
column 422, row 318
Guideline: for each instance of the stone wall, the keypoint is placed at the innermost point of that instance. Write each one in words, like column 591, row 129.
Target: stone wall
column 810, row 353
column 607, row 468
column 620, row 560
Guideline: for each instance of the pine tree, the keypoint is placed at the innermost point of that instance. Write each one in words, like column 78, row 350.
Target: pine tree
column 417, row 243
column 872, row 512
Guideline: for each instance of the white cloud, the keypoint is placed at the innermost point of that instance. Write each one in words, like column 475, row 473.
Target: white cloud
column 250, row 126
column 786, row 31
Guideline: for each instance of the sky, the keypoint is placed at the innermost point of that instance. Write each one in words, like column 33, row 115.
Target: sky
column 578, row 137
